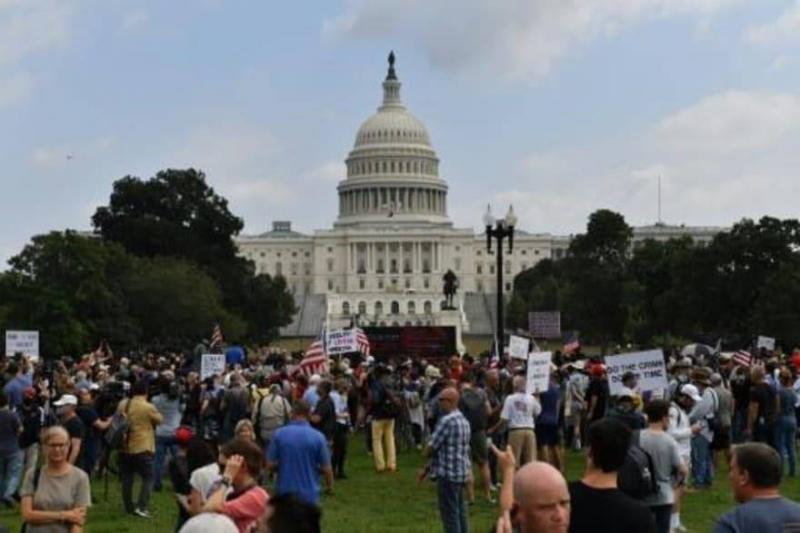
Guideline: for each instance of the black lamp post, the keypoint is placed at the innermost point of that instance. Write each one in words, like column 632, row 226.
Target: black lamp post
column 499, row 229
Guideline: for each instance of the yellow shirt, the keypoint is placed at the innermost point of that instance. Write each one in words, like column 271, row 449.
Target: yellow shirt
column 143, row 417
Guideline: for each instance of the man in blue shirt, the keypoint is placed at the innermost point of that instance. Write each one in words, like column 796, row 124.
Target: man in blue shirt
column 299, row 454
column 449, row 449
column 15, row 388
column 755, row 479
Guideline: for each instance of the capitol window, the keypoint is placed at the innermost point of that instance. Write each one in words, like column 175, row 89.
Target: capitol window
column 427, row 307
column 408, row 283
column 479, row 268
column 278, row 268
column 330, row 265
column 378, row 308
column 380, row 283
column 361, row 283
column 379, row 269
column 346, row 308
column 330, row 284
column 362, row 308
column 412, row 308
column 395, row 308
column 426, row 283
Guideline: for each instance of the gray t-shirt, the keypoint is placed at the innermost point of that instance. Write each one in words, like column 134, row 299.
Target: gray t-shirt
column 765, row 515
column 56, row 493
column 666, row 459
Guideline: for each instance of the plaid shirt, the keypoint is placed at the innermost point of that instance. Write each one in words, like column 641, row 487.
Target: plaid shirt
column 450, row 445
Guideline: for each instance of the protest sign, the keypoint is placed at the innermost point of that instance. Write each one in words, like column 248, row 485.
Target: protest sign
column 648, row 366
column 341, row 341
column 212, row 364
column 545, row 324
column 767, row 343
column 538, row 372
column 518, row 347
column 25, row 342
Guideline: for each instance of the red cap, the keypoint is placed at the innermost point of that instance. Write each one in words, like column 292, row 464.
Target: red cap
column 184, row 434
column 598, row 370
column 30, row 392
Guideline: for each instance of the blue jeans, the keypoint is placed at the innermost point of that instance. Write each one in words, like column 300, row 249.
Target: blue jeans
column 164, row 445
column 701, row 462
column 786, row 430
column 452, row 506
column 738, row 426
column 10, row 473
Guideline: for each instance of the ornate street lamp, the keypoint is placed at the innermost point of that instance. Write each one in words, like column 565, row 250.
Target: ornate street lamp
column 499, row 229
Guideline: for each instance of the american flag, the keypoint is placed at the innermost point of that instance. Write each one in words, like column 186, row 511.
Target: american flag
column 216, row 337
column 572, row 344
column 742, row 358
column 363, row 342
column 315, row 358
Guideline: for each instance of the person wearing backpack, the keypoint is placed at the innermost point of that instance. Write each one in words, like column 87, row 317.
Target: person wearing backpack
column 384, row 407
column 666, row 460
column 597, row 503
column 270, row 413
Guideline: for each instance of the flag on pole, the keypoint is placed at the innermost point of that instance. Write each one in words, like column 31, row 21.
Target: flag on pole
column 315, row 358
column 572, row 343
column 216, row 337
column 363, row 342
column 742, row 358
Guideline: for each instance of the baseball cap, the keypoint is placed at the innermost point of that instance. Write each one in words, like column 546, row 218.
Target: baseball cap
column 67, row 399
column 690, row 391
column 30, row 392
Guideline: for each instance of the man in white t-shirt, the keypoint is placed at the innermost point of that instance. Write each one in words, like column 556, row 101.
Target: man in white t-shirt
column 519, row 411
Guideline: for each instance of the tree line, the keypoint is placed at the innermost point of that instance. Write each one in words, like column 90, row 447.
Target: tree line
column 158, row 270
column 745, row 282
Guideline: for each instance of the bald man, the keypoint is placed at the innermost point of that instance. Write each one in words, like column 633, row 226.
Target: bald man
column 536, row 497
column 449, row 449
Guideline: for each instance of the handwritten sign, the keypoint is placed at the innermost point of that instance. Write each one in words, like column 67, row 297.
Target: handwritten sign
column 518, row 347
column 767, row 343
column 648, row 366
column 538, row 378
column 25, row 342
column 212, row 364
column 341, row 341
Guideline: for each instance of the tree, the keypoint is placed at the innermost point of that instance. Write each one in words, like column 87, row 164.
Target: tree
column 67, row 286
column 176, row 303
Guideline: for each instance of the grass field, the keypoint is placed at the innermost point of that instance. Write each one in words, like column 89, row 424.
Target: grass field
column 370, row 503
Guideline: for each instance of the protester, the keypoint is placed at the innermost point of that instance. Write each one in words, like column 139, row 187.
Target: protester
column 681, row 429
column 66, row 407
column 168, row 404
column 755, row 476
column 448, row 448
column 666, row 459
column 179, row 474
column 597, row 393
column 235, row 406
column 139, row 448
column 703, row 414
column 474, row 405
column 518, row 414
column 786, row 426
column 299, row 454
column 383, row 407
column 324, row 416
column 94, row 426
column 56, row 495
column 761, row 410
column 341, row 429
column 22, row 379
column 11, row 457
column 596, row 504
column 246, row 503
column 271, row 412
column 287, row 513
column 32, row 418
column 548, row 437
column 723, row 419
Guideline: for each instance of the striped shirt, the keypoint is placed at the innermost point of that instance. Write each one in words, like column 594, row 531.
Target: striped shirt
column 450, row 445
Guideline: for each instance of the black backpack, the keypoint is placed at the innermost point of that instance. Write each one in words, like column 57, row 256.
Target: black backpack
column 637, row 477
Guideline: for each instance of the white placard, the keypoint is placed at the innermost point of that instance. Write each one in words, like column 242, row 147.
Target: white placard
column 765, row 342
column 212, row 364
column 538, row 372
column 648, row 366
column 26, row 342
column 518, row 347
column 341, row 342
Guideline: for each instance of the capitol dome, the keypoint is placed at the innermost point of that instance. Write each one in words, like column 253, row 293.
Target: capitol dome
column 392, row 170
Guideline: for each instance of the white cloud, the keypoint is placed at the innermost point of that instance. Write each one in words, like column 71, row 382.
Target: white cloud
column 785, row 28
column 515, row 39
column 133, row 20
column 15, row 88
column 732, row 121
column 727, row 156
column 28, row 26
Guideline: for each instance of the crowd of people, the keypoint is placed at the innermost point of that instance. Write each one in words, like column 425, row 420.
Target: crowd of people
column 252, row 448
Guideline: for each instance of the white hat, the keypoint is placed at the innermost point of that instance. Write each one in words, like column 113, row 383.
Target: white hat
column 432, row 372
column 209, row 522
column 67, row 399
column 625, row 392
column 690, row 391
column 314, row 379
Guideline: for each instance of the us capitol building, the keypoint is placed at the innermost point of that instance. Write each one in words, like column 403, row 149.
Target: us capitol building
column 393, row 241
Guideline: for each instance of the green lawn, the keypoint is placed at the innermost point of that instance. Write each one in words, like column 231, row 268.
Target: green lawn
column 368, row 502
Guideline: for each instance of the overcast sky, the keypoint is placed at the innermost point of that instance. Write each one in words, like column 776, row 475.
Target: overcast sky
column 560, row 107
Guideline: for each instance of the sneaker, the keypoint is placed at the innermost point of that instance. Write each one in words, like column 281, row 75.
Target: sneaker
column 143, row 513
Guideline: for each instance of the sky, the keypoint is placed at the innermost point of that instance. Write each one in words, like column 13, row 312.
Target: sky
column 559, row 107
